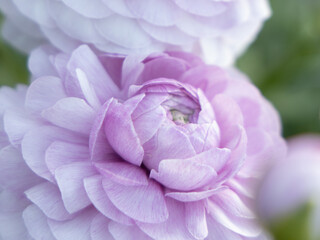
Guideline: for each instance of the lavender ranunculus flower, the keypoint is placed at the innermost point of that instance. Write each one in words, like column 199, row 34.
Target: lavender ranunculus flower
column 294, row 183
column 105, row 147
column 218, row 30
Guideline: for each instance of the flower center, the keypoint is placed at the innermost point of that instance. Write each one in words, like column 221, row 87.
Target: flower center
column 179, row 117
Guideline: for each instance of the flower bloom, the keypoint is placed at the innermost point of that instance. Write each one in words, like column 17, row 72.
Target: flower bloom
column 217, row 30
column 105, row 147
column 293, row 183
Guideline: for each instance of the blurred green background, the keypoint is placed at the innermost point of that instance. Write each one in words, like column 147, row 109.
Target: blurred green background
column 284, row 63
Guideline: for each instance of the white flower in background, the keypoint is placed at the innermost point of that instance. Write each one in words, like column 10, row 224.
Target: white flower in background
column 217, row 30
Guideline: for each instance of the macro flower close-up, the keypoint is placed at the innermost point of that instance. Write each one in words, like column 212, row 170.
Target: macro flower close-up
column 143, row 147
column 217, row 30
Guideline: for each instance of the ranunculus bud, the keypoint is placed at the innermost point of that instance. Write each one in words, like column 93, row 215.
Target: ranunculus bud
column 217, row 30
column 157, row 147
column 291, row 186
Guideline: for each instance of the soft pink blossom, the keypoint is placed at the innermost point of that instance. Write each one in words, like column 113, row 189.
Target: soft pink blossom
column 105, row 147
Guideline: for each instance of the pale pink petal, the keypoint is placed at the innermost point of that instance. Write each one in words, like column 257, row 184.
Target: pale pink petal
column 14, row 173
column 70, row 181
column 71, row 113
column 83, row 58
column 61, row 153
column 193, row 196
column 43, row 93
column 196, row 219
column 100, row 149
column 90, row 9
column 167, row 145
column 142, row 203
column 99, row 228
column 47, row 197
column 241, row 226
column 158, row 12
column 183, row 174
column 100, row 200
column 123, row 173
column 16, row 124
column 120, row 131
column 36, row 223
column 172, row 229
column 118, row 30
column 76, row 228
column 36, row 142
column 123, row 232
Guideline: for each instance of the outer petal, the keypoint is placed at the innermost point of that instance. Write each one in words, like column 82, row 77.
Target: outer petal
column 48, row 198
column 100, row 200
column 142, row 203
column 61, row 153
column 122, row 232
column 35, row 143
column 196, row 219
column 172, row 229
column 70, row 181
column 99, row 228
column 43, row 93
column 14, row 174
column 71, row 113
column 36, row 223
column 76, row 228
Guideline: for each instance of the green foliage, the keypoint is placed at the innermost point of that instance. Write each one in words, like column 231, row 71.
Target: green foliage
column 284, row 63
column 295, row 226
column 13, row 68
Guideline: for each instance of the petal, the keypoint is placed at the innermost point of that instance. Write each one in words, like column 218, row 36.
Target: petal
column 100, row 200
column 228, row 115
column 44, row 93
column 193, row 196
column 196, row 219
column 39, row 62
column 237, row 157
column 70, row 181
column 35, row 143
column 47, row 197
column 157, row 12
column 242, row 226
column 16, row 124
column 88, row 8
column 76, row 228
column 218, row 231
column 84, row 59
column 14, row 173
column 182, row 174
column 168, row 143
column 61, row 153
column 122, row 232
column 99, row 228
column 36, row 223
column 164, row 67
column 123, row 173
column 142, row 203
column 120, row 131
column 100, row 149
column 146, row 125
column 71, row 113
column 119, row 30
column 231, row 202
column 172, row 229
